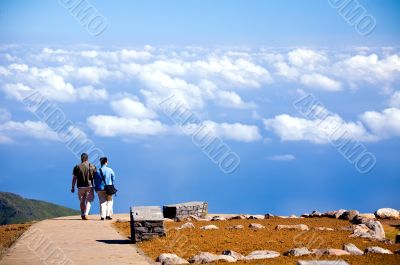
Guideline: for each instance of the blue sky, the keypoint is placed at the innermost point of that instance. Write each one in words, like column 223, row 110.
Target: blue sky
column 239, row 66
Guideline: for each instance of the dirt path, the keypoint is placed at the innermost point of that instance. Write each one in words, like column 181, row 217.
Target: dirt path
column 71, row 241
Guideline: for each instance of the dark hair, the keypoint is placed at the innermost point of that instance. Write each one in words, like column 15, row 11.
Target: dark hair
column 103, row 160
column 84, row 157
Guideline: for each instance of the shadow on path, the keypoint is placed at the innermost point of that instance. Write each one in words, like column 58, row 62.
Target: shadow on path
column 115, row 241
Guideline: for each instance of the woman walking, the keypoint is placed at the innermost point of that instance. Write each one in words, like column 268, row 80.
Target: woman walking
column 105, row 177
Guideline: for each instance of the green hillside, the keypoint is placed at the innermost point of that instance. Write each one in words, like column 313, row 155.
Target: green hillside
column 15, row 210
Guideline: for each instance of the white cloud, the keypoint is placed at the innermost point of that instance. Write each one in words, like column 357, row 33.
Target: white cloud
column 287, row 157
column 234, row 131
column 90, row 93
column 370, row 68
column 34, row 129
column 318, row 131
column 4, row 114
column 285, row 70
column 112, row 126
column 319, row 81
column 91, row 74
column 233, row 100
column 383, row 124
column 395, row 100
column 17, row 91
column 18, row 67
column 132, row 108
column 306, row 58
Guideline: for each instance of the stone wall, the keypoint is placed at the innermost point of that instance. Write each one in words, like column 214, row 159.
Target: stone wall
column 146, row 222
column 182, row 210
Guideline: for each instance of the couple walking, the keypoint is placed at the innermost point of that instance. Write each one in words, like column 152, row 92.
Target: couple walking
column 88, row 179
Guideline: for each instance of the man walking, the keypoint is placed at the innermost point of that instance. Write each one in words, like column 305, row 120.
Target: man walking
column 105, row 176
column 82, row 175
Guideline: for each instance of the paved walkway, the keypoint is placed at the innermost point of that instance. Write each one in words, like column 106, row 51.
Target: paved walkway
column 72, row 241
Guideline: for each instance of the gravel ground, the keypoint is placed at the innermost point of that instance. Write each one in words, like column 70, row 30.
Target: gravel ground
column 188, row 242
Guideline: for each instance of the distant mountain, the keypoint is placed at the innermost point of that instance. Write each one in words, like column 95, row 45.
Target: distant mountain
column 16, row 210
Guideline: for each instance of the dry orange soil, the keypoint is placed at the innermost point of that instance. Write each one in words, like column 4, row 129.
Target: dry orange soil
column 189, row 242
column 9, row 234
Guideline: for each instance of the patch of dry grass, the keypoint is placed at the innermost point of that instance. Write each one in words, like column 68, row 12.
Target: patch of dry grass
column 187, row 243
column 9, row 234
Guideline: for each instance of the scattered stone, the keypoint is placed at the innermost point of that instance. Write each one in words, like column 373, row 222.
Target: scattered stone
column 297, row 252
column 168, row 220
column 322, row 262
column 352, row 249
column 339, row 213
column 349, row 215
column 209, row 227
column 206, row 257
column 293, row 216
column 397, row 240
column 367, row 215
column 235, row 227
column 305, row 215
column 218, row 218
column 368, row 228
column 186, row 226
column 336, row 252
column 262, row 254
column 268, row 215
column 330, row 251
column 237, row 217
column 233, row 254
column 300, row 227
column 170, row 259
column 377, row 250
column 257, row 216
column 324, row 228
column 315, row 214
column 256, row 226
column 387, row 213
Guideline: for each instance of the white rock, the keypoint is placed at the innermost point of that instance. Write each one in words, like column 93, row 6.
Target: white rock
column 206, row 257
column 377, row 250
column 352, row 249
column 237, row 217
column 387, row 213
column 218, row 218
column 330, row 251
column 367, row 215
column 186, row 226
column 233, row 254
column 170, row 259
column 209, row 227
column 257, row 216
column 262, row 254
column 300, row 227
column 297, row 252
column 256, row 226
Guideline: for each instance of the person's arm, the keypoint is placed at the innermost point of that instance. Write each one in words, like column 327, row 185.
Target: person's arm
column 112, row 176
column 73, row 183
